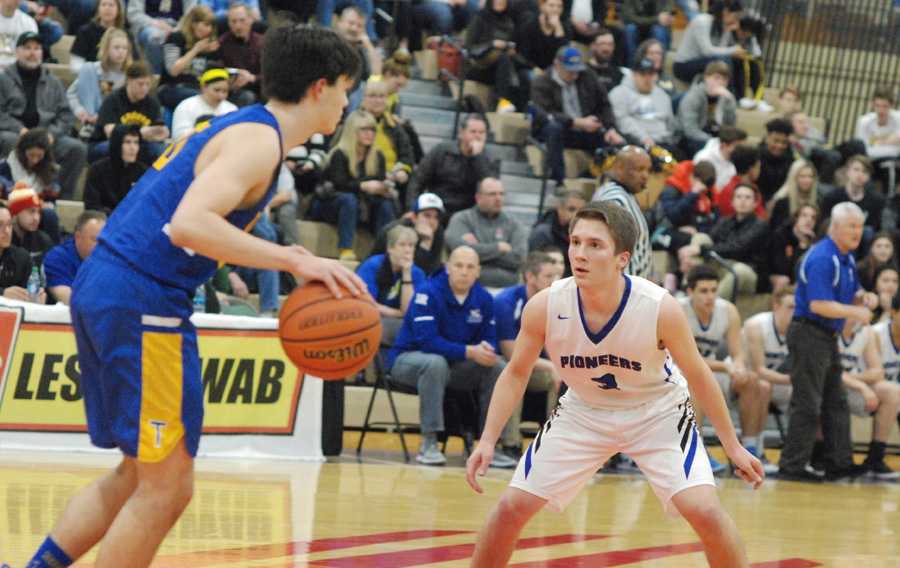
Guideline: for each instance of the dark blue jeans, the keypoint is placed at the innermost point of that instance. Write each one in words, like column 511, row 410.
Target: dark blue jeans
column 343, row 209
column 559, row 137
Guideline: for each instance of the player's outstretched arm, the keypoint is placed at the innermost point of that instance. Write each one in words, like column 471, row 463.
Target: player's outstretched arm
column 675, row 333
column 233, row 172
column 510, row 385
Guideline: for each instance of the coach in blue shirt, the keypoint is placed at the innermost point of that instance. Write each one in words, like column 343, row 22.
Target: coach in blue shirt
column 828, row 292
column 448, row 337
column 62, row 261
column 540, row 271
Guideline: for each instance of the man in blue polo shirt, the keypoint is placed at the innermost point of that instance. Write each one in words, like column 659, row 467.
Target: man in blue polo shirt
column 62, row 261
column 828, row 292
column 540, row 271
column 448, row 340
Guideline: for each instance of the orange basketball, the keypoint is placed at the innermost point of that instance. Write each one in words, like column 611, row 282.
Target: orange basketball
column 328, row 337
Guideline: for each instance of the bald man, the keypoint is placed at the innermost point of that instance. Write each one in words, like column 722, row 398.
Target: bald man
column 628, row 177
column 448, row 340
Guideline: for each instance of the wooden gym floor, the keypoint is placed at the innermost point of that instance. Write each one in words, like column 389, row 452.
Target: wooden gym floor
column 383, row 513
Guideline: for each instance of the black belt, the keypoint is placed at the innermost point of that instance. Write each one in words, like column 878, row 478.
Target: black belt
column 816, row 324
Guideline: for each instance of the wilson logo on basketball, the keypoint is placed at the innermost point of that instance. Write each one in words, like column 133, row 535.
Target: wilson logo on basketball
column 330, row 317
column 340, row 354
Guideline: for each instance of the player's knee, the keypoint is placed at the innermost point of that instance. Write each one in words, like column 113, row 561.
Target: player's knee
column 513, row 509
column 888, row 393
column 705, row 518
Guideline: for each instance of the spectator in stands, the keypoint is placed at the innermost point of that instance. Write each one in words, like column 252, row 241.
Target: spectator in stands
column 868, row 393
column 97, row 79
column 775, row 157
column 858, row 191
column 789, row 100
column 327, row 9
column 444, row 17
column 392, row 279
column 453, row 169
column 748, row 70
column 241, row 49
column 539, row 38
column 62, row 262
column 887, row 283
column 448, row 340
column 253, row 280
column 359, row 183
column 539, row 271
column 31, row 97
column 687, row 202
column 221, row 9
column 306, row 163
column 880, row 131
column 707, row 107
column 493, row 56
column 395, row 74
column 351, row 25
column 86, row 48
column 390, row 136
column 746, row 166
column 717, row 151
column 187, row 53
column 25, row 208
column 30, row 164
column 716, row 326
column 13, row 24
column 741, row 239
column 809, row 142
column 588, row 19
column 572, row 110
column 800, row 188
column 425, row 219
column 601, row 60
column 552, row 230
column 15, row 262
column 627, row 177
column 646, row 19
column 212, row 101
column 709, row 37
column 285, row 206
column 653, row 50
column 643, row 111
column 131, row 104
column 881, row 253
column 110, row 179
column 49, row 29
column 153, row 22
column 500, row 240
column 789, row 243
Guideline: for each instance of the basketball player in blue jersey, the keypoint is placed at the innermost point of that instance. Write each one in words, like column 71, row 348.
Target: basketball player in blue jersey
column 132, row 298
column 613, row 339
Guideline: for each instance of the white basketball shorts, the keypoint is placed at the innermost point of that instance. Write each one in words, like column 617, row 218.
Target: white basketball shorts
column 660, row 436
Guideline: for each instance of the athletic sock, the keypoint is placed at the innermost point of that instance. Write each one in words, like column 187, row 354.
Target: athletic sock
column 749, row 442
column 50, row 555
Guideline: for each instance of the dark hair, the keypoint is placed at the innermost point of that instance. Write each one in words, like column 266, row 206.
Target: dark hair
column 716, row 7
column 642, row 49
column 744, row 185
column 796, row 214
column 705, row 172
column 781, row 125
column 884, row 92
column 881, row 268
column 88, row 216
column 466, row 118
column 138, row 70
column 701, row 272
column 534, row 261
column 754, row 26
column 603, row 30
column 864, row 161
column 895, row 302
column 621, row 224
column 744, row 157
column 729, row 134
column 46, row 169
column 341, row 10
column 296, row 56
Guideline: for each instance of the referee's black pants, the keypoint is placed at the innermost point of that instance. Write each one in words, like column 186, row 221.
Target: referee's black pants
column 818, row 392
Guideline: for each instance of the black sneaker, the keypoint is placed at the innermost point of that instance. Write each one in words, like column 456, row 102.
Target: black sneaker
column 881, row 471
column 848, row 473
column 806, row 475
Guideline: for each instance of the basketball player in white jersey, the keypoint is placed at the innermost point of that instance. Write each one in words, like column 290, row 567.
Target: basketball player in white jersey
column 613, row 338
column 716, row 325
column 887, row 338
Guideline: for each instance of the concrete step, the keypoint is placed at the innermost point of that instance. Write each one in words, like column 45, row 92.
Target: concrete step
column 525, row 215
column 435, row 129
column 516, row 168
column 424, row 87
column 521, row 184
column 421, row 115
column 426, row 100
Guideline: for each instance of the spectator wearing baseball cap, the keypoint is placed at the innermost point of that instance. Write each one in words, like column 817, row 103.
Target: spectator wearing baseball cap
column 572, row 110
column 25, row 208
column 643, row 110
column 425, row 218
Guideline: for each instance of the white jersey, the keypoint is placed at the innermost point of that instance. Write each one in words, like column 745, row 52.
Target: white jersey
column 852, row 350
column 710, row 338
column 622, row 365
column 775, row 349
column 890, row 352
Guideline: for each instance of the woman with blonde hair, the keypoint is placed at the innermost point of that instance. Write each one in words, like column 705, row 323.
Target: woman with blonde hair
column 188, row 53
column 110, row 14
column 355, row 185
column 97, row 79
column 800, row 188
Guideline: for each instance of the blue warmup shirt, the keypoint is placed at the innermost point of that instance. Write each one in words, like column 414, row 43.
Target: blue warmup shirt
column 508, row 307
column 825, row 274
column 368, row 271
column 61, row 264
column 437, row 323
column 137, row 233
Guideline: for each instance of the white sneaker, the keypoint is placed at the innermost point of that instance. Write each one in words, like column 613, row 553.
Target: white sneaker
column 503, row 461
column 747, row 103
column 763, row 106
column 430, row 454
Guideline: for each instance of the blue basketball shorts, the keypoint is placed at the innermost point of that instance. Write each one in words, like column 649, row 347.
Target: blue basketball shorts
column 137, row 350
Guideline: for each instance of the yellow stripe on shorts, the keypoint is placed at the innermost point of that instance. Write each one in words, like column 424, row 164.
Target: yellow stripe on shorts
column 161, row 392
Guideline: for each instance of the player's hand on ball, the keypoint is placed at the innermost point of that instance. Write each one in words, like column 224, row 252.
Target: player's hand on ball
column 330, row 272
column 477, row 465
column 747, row 466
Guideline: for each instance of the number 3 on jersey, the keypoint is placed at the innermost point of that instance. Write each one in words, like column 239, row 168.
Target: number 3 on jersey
column 176, row 147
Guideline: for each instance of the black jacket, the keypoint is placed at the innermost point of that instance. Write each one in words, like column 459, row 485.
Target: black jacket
column 338, row 172
column 744, row 241
column 451, row 175
column 110, row 179
column 15, row 268
column 546, row 96
column 548, row 232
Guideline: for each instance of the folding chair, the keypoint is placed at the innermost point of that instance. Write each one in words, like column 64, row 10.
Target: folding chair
column 383, row 381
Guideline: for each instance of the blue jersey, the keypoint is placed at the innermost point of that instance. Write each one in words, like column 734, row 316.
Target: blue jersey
column 508, row 307
column 138, row 230
column 825, row 274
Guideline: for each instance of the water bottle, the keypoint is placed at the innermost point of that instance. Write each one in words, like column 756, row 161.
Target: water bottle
column 34, row 284
column 200, row 299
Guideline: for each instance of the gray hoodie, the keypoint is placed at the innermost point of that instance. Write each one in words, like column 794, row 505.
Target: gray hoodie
column 698, row 42
column 639, row 116
column 693, row 112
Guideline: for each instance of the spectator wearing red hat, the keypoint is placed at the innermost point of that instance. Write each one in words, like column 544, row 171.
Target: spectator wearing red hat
column 25, row 208
column 15, row 262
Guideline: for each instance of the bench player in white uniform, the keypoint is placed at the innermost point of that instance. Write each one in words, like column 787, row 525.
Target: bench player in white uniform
column 716, row 325
column 613, row 339
column 887, row 338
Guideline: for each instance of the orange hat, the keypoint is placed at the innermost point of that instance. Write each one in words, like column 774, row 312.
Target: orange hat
column 21, row 198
